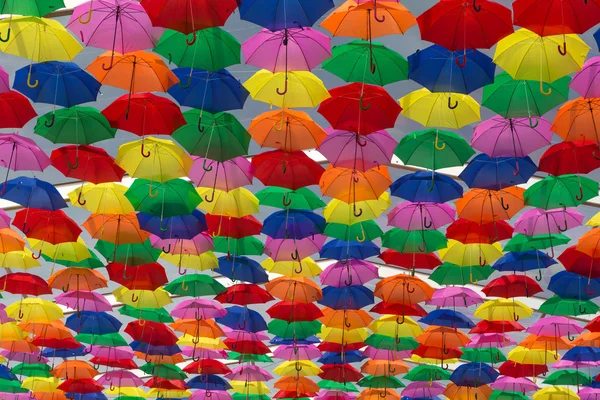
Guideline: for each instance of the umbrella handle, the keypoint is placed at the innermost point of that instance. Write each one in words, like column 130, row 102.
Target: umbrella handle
column 295, row 256
column 383, row 394
column 445, row 367
column 408, row 288
column 595, row 155
column 278, row 126
column 112, row 388
column 152, row 193
column 422, row 249
column 357, row 213
column 65, row 289
column 243, row 326
column 73, row 166
column 517, row 170
column 382, row 19
column 134, row 298
column 21, row 315
column 7, row 38
column 344, row 262
column 430, row 188
column 462, row 63
column 196, row 340
column 476, row 394
column 37, row 256
column 29, row 84
column 538, row 277
column 580, row 196
column 168, row 250
column 562, row 49
column 211, row 198
column 228, row 299
column 170, row 58
column 197, row 316
column 497, row 356
column 298, row 367
column 581, row 311
column 482, row 262
column 163, row 229
column 285, row 88
column 531, row 124
column 515, row 316
column 207, row 394
column 561, row 229
column 361, row 144
column 112, row 62
column 189, row 82
column 477, row 9
column 589, row 289
column 548, row 93
column 437, row 139
column 286, row 201
column 361, row 238
column 450, row 105
column 181, row 272
column 49, row 125
column 362, row 106
column 25, row 229
column 145, row 155
column 571, row 338
column 191, row 42
column 217, row 233
column 348, row 283
column 204, row 167
column 125, row 277
column 89, row 16
column 390, row 369
column 425, row 224
column 346, row 324
column 473, row 282
column 200, row 127
column 505, row 207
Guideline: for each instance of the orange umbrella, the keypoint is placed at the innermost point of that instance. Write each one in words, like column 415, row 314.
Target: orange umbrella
column 74, row 369
column 296, row 384
column 203, row 328
column 378, row 394
column 116, row 228
column 443, row 337
column 591, row 339
column 454, row 392
column 350, row 185
column 52, row 330
column 351, row 319
column 589, row 243
column 403, row 289
column 19, row 346
column 287, row 130
column 298, row 289
column 577, row 120
column 10, row 241
column 549, row 343
column 160, row 358
column 384, row 367
column 77, row 279
column 49, row 396
column 484, row 206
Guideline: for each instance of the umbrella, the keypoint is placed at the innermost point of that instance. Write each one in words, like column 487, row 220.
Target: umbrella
column 420, row 186
column 51, row 226
column 187, row 18
column 277, row 14
column 537, row 222
column 465, row 231
column 560, row 191
column 236, row 203
column 496, row 173
column 351, row 150
column 225, row 175
column 4, row 83
column 87, row 163
column 21, row 154
column 289, row 170
column 570, row 158
column 33, row 193
column 558, row 19
column 16, row 110
column 575, row 118
column 485, row 206
column 115, row 228
column 353, row 186
column 171, row 198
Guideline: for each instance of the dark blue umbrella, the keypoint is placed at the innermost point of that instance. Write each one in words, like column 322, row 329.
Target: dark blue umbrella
column 209, row 91
column 289, row 341
column 154, row 350
column 86, row 396
column 208, row 382
column 243, row 318
column 437, row 69
column 597, row 37
column 484, row 172
column 6, row 374
column 61, row 83
column 347, row 297
column 474, row 374
column 568, row 285
column 241, row 268
column 281, row 14
column 33, row 193
column 582, row 353
column 448, row 318
column 95, row 323
column 524, row 261
column 293, row 224
column 417, row 187
column 352, row 356
column 178, row 227
column 338, row 249
column 64, row 353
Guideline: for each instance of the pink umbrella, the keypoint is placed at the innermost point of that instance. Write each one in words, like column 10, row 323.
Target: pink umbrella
column 21, row 154
column 574, row 364
column 292, row 49
column 544, row 222
column 335, row 395
column 491, row 340
column 27, row 358
column 111, row 353
column 301, row 352
column 510, row 384
column 416, row 216
column 589, row 393
column 4, row 81
column 82, row 300
column 212, row 395
column 208, row 354
column 198, row 308
column 246, row 336
column 554, row 326
column 455, row 296
column 499, row 137
column 227, row 175
column 250, row 373
column 587, row 81
column 293, row 249
column 360, row 271
column 423, row 389
column 361, row 152
column 4, row 223
column 120, row 378
column 197, row 245
column 18, row 396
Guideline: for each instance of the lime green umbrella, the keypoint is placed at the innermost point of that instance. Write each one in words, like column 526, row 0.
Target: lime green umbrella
column 149, row 314
column 383, row 342
column 37, row 370
column 7, row 386
column 234, row 355
column 425, row 373
column 502, row 395
column 299, row 199
column 352, row 62
column 109, row 339
column 520, row 242
column 74, row 125
column 213, row 49
column 168, row 199
column 165, row 371
column 218, row 137
column 92, row 263
column 246, row 246
column 381, row 382
column 483, row 355
column 419, row 241
column 195, row 285
column 515, row 98
column 289, row 330
column 568, row 307
column 339, row 386
column 433, row 149
column 560, row 191
column 452, row 274
column 363, row 231
column 132, row 254
column 568, row 377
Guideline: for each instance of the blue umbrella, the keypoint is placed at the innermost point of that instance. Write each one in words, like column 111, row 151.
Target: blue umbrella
column 294, row 224
column 85, row 396
column 281, row 14
column 95, row 323
column 290, row 341
column 154, row 350
column 59, row 83
column 209, row 91
column 243, row 318
column 524, row 261
column 242, row 268
column 64, row 353
column 582, row 353
column 597, row 37
column 417, row 187
column 347, row 297
column 208, row 382
column 448, row 318
column 484, row 172
column 33, row 193
column 436, row 68
column 568, row 285
column 178, row 227
column 6, row 374
column 474, row 374
column 338, row 249
column 352, row 356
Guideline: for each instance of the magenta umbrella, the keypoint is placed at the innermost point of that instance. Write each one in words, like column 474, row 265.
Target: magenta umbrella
column 359, row 271
column 455, row 296
column 21, row 154
column 293, row 249
column 423, row 389
column 240, row 335
column 198, row 308
column 361, row 152
column 335, row 395
column 418, row 216
column 587, row 81
column 83, row 300
column 562, row 364
column 491, row 340
column 515, row 137
column 297, row 352
column 197, row 245
column 18, row 396
column 292, row 49
column 212, row 395
column 589, row 393
column 207, row 354
column 387, row 355
column 554, row 326
column 111, row 353
column 250, row 373
column 27, row 358
column 4, row 81
column 120, row 378
column 545, row 222
column 227, row 175
column 510, row 384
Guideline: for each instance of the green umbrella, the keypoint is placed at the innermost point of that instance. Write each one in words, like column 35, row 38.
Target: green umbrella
column 452, row 274
column 234, row 355
column 367, row 230
column 383, row 342
column 7, row 386
column 168, row 199
column 338, row 386
column 381, row 382
column 132, row 254
column 514, row 98
column 560, row 191
column 520, row 242
column 425, row 373
column 149, row 314
column 352, row 62
column 502, row 395
column 212, row 50
column 165, row 371
column 299, row 199
column 37, row 370
column 419, row 241
column 219, row 137
column 74, row 125
column 568, row 307
column 195, row 285
column 433, row 149
column 568, row 377
column 243, row 396
column 483, row 355
column 289, row 330
column 130, row 398
column 246, row 246
column 109, row 339
column 34, row 8
column 92, row 263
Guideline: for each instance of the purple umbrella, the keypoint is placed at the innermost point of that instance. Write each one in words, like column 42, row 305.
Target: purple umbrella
column 27, row 358
column 212, row 395
column 227, row 175
column 293, row 49
column 4, row 81
column 589, row 393
column 545, row 222
column 120, row 378
column 21, row 154
column 423, row 389
column 207, row 354
column 83, row 300
column 301, row 352
column 587, row 81
column 491, row 340
column 555, row 326
column 337, row 273
column 515, row 137
column 198, row 308
column 293, row 249
column 455, row 296
column 418, row 216
column 510, row 384
column 361, row 152
column 250, row 373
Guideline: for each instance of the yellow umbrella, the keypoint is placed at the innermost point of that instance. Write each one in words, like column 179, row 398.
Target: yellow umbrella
column 503, row 310
column 470, row 254
column 42, row 385
column 169, row 393
column 387, row 325
column 528, row 56
column 294, row 89
column 250, row 387
column 203, row 342
column 126, row 391
column 297, row 368
column 433, row 361
column 38, row 39
column 67, row 251
column 142, row 298
column 34, row 309
column 340, row 336
column 310, row 269
column 555, row 393
column 440, row 110
column 236, row 203
column 199, row 262
column 11, row 331
column 594, row 221
column 523, row 355
column 21, row 259
column 104, row 198
column 155, row 159
column 340, row 212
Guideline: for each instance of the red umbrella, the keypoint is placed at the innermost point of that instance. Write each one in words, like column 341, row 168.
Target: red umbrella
column 188, row 16
column 24, row 283
column 87, row 163
column 86, row 385
column 292, row 170
column 340, row 373
column 399, row 309
column 570, row 158
column 516, row 370
column 556, row 17
column 207, row 367
column 410, row 260
column 50, row 226
column 141, row 277
column 510, row 286
column 292, row 394
column 247, row 346
column 153, row 333
column 467, row 232
column 168, row 384
column 338, row 347
column 580, row 263
column 497, row 327
column 219, row 225
column 244, row 294
column 593, row 325
column 122, row 363
column 360, row 108
column 437, row 352
column 16, row 110
column 291, row 311
column 55, row 343
column 465, row 24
